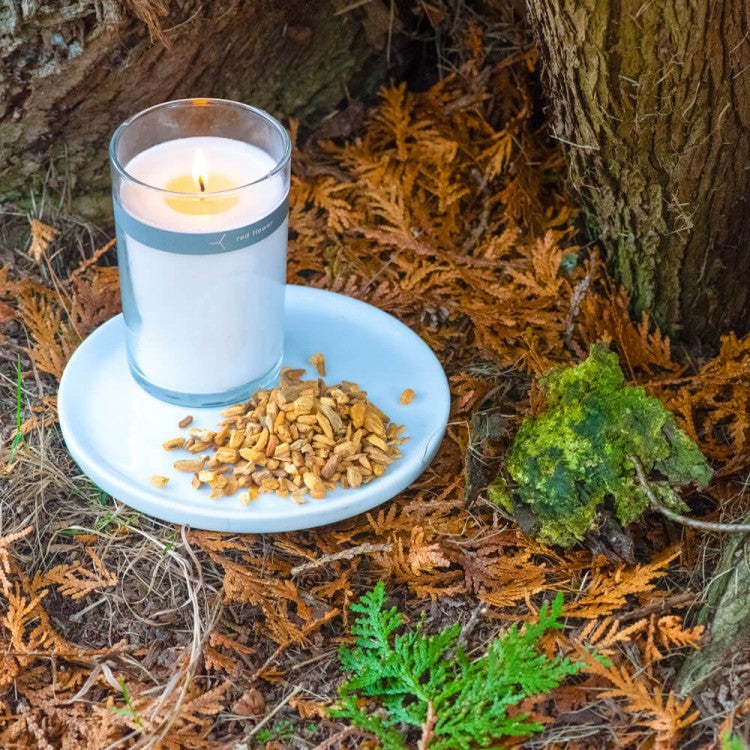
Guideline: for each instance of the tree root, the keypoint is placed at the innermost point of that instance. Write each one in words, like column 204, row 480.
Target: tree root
column 695, row 523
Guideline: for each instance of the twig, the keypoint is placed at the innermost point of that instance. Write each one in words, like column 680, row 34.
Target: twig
column 428, row 728
column 471, row 623
column 90, row 262
column 390, row 34
column 306, row 662
column 335, row 740
column 579, row 292
column 683, row 598
column 576, row 145
column 345, row 554
column 351, row 6
column 727, row 528
column 13, row 357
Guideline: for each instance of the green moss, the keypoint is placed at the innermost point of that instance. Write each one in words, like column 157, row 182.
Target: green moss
column 570, row 459
column 499, row 494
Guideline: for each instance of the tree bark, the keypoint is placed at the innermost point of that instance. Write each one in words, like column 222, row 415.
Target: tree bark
column 652, row 103
column 726, row 612
column 71, row 72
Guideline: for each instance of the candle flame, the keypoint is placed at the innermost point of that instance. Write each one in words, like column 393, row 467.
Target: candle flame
column 200, row 170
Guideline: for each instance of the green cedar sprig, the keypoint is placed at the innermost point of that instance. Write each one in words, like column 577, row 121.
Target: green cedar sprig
column 397, row 677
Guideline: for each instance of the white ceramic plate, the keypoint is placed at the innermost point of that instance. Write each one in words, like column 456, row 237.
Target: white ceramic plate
column 114, row 429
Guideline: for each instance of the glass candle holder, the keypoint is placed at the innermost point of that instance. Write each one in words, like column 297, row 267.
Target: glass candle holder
column 200, row 191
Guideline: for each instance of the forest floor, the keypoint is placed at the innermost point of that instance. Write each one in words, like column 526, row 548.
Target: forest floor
column 448, row 209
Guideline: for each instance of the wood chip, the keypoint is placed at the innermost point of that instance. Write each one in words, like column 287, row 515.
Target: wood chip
column 234, row 411
column 407, row 396
column 227, row 455
column 185, row 422
column 191, row 465
column 357, row 414
column 236, row 439
column 159, row 481
column 377, row 441
column 173, row 443
column 325, row 425
column 331, row 465
column 319, row 363
column 290, row 376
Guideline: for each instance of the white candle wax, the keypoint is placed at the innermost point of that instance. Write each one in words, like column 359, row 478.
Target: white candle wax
column 206, row 323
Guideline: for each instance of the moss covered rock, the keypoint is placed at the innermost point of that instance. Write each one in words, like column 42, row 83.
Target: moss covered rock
column 576, row 455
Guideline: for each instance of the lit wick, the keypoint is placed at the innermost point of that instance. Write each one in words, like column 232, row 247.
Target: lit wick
column 200, row 170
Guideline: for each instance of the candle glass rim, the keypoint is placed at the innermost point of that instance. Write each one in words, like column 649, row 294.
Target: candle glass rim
column 280, row 165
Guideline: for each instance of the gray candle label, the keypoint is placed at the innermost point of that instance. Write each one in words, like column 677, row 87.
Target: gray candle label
column 209, row 243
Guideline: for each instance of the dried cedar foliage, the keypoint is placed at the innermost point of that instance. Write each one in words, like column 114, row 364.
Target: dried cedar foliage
column 447, row 210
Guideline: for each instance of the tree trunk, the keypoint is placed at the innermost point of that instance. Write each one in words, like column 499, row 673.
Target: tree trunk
column 652, row 103
column 71, row 72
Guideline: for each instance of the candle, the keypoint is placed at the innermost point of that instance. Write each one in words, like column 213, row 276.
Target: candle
column 202, row 236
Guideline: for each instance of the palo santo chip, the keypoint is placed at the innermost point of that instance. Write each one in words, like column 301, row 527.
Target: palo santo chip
column 318, row 361
column 290, row 376
column 185, row 422
column 357, row 413
column 159, row 481
column 301, row 439
column 191, row 465
column 227, row 455
column 407, row 396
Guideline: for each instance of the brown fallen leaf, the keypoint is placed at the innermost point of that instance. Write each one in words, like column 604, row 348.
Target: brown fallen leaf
column 250, row 703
